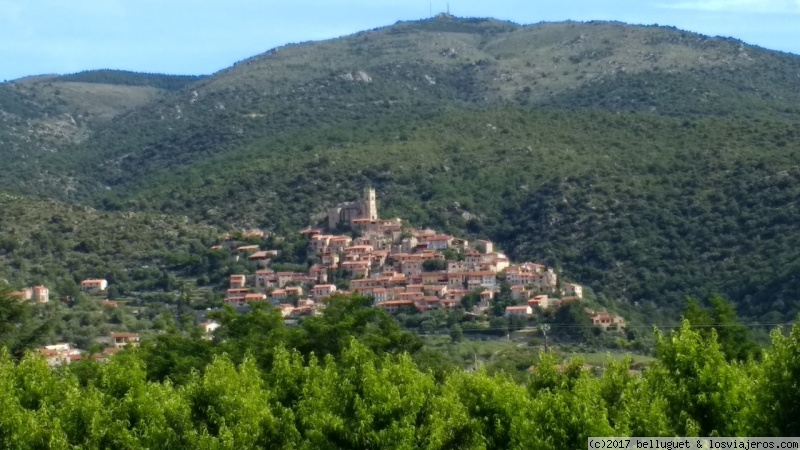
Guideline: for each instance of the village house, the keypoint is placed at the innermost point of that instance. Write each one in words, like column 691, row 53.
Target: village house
column 265, row 278
column 321, row 291
column 474, row 259
column 438, row 242
column 319, row 273
column 294, row 291
column 337, row 244
column 540, row 301
column 393, row 306
column 483, row 246
column 605, row 320
column 381, row 295
column 424, row 304
column 124, row 339
column 255, row 297
column 254, row 234
column 519, row 292
column 284, row 278
column 358, row 250
column 520, row 311
column 356, row 269
column 59, row 354
column 449, row 303
column 481, row 279
column 208, row 328
column 461, row 245
column 330, row 259
column 94, row 286
column 408, row 244
column 572, row 290
column 319, row 242
column 364, row 284
column 302, row 311
column 499, row 262
column 411, row 267
column 434, row 278
column 286, row 309
column 236, row 295
column 457, row 280
column 311, row 232
column 261, row 257
column 247, row 249
column 456, row 295
column 457, row 266
column 38, row 294
column 378, row 259
column 41, row 294
column 237, row 281
column 436, row 290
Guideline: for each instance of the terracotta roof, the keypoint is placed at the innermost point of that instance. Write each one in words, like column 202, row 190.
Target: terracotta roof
column 398, row 303
column 124, row 335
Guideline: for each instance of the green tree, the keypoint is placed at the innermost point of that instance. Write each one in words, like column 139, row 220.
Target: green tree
column 19, row 329
column 434, row 265
column 705, row 394
column 721, row 318
column 353, row 316
column 456, row 333
column 776, row 410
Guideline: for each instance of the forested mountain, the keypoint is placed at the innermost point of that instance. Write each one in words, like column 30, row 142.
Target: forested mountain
column 646, row 162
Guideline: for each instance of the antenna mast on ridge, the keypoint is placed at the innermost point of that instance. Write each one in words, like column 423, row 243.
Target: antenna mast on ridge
column 448, row 8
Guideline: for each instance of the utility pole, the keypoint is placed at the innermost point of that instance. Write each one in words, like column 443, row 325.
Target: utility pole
column 545, row 328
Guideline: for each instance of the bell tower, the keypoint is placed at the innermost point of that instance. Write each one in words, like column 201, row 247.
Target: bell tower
column 370, row 204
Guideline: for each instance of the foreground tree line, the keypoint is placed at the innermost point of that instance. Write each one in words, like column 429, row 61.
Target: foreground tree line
column 353, row 379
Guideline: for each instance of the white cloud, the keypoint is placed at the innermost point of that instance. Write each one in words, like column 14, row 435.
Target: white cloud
column 747, row 6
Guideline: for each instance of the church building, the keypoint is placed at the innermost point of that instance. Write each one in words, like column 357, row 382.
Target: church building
column 345, row 213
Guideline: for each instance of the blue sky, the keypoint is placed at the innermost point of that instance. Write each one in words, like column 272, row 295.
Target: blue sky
column 204, row 36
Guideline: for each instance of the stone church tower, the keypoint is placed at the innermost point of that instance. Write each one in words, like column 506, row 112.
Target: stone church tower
column 370, row 204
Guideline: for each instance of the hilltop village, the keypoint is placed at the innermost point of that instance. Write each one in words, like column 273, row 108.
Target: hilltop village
column 402, row 268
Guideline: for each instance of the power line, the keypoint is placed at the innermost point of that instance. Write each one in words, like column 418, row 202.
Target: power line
column 670, row 327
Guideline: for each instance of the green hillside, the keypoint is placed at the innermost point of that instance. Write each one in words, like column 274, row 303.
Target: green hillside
column 647, row 162
column 127, row 78
column 45, row 242
column 640, row 207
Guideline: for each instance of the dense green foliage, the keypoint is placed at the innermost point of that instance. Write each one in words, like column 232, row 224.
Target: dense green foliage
column 45, row 242
column 252, row 387
column 19, row 329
